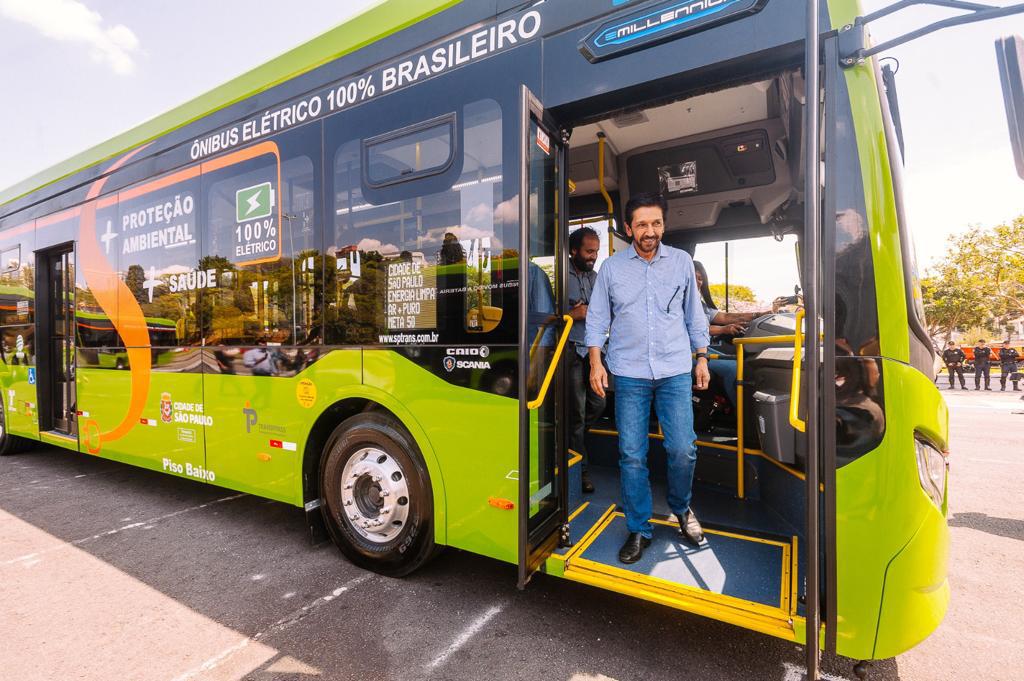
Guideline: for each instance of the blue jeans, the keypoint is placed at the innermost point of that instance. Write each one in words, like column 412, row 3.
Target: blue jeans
column 674, row 407
column 726, row 368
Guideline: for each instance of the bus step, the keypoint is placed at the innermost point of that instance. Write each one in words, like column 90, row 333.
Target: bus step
column 732, row 577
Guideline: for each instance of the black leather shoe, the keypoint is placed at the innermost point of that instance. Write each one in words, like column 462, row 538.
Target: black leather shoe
column 634, row 547
column 690, row 529
column 586, row 485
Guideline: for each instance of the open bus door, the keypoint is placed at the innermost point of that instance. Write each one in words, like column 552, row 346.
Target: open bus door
column 542, row 337
column 56, row 358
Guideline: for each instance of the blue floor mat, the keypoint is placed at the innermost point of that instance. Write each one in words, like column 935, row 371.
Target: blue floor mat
column 748, row 569
column 585, row 520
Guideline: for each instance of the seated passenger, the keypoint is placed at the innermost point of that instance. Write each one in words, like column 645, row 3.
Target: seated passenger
column 725, row 324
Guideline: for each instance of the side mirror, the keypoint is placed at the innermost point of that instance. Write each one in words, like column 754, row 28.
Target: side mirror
column 1010, row 55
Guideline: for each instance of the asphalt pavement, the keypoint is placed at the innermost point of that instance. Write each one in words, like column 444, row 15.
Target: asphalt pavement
column 111, row 572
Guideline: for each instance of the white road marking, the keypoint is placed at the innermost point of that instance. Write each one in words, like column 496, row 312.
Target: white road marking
column 792, row 672
column 278, row 626
column 130, row 526
column 53, row 480
column 469, row 632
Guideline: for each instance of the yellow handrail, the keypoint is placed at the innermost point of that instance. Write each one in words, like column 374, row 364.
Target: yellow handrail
column 741, row 491
column 794, row 400
column 551, row 369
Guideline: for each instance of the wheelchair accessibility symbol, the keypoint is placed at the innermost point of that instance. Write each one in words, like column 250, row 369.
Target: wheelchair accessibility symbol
column 31, row 375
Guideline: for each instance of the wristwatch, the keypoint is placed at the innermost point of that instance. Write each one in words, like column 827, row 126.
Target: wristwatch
column 702, row 354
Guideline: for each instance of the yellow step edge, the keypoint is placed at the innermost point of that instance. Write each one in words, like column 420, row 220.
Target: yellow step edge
column 775, row 621
column 780, row 627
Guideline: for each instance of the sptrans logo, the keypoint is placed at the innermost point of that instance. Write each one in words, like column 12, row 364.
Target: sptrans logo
column 453, row 358
column 663, row 21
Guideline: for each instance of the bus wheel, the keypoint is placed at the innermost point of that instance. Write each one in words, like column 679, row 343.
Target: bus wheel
column 377, row 499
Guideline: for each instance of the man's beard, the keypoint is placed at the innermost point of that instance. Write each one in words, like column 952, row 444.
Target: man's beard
column 582, row 265
column 653, row 242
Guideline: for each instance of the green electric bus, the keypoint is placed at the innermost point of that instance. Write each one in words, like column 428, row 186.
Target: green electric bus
column 338, row 282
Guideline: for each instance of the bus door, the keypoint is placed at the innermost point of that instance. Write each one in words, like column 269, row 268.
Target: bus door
column 57, row 361
column 542, row 338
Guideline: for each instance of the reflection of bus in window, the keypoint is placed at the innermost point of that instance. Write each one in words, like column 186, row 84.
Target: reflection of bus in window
column 16, row 304
column 100, row 345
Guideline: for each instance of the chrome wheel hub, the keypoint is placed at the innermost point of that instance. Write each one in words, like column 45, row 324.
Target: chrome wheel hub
column 375, row 495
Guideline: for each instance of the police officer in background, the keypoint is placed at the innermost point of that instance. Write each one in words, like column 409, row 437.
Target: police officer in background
column 982, row 357
column 954, row 358
column 1008, row 358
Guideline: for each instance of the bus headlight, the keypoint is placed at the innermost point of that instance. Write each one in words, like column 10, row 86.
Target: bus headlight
column 931, row 470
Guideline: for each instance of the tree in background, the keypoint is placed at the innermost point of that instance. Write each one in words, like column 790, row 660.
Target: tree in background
column 979, row 282
column 974, row 334
column 738, row 293
column 134, row 280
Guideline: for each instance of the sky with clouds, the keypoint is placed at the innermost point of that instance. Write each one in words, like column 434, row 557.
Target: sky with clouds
column 77, row 72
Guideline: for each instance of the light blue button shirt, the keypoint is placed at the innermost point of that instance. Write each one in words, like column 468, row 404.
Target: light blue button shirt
column 650, row 313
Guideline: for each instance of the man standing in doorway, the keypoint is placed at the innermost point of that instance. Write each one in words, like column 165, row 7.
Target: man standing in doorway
column 953, row 357
column 1008, row 358
column 646, row 302
column 982, row 357
column 587, row 405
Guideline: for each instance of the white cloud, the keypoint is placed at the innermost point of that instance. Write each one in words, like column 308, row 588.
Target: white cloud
column 71, row 21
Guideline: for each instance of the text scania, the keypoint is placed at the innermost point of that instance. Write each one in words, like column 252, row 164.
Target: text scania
column 686, row 10
column 467, row 48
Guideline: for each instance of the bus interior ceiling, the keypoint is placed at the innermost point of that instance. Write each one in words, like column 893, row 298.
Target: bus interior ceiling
column 729, row 164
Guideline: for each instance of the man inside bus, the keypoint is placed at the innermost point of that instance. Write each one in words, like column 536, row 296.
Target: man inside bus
column 725, row 324
column 587, row 405
column 645, row 302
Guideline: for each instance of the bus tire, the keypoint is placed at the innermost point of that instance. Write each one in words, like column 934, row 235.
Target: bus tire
column 377, row 498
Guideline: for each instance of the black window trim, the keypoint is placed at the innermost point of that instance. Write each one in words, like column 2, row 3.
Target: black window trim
column 450, row 119
column 908, row 259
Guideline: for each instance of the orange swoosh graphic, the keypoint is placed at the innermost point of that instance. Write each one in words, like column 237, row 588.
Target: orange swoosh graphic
column 113, row 295
column 117, row 301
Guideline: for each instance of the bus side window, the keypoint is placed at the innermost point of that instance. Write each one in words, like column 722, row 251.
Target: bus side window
column 17, row 297
column 152, row 239
column 261, row 263
column 421, row 259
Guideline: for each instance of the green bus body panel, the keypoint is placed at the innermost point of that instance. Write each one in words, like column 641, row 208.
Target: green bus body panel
column 380, row 21
column 916, row 589
column 880, row 505
column 892, row 541
column 474, row 436
column 196, row 426
column 19, row 400
column 240, row 447
column 102, row 395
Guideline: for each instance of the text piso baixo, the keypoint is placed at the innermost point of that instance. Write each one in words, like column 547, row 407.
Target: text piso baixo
column 197, row 472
